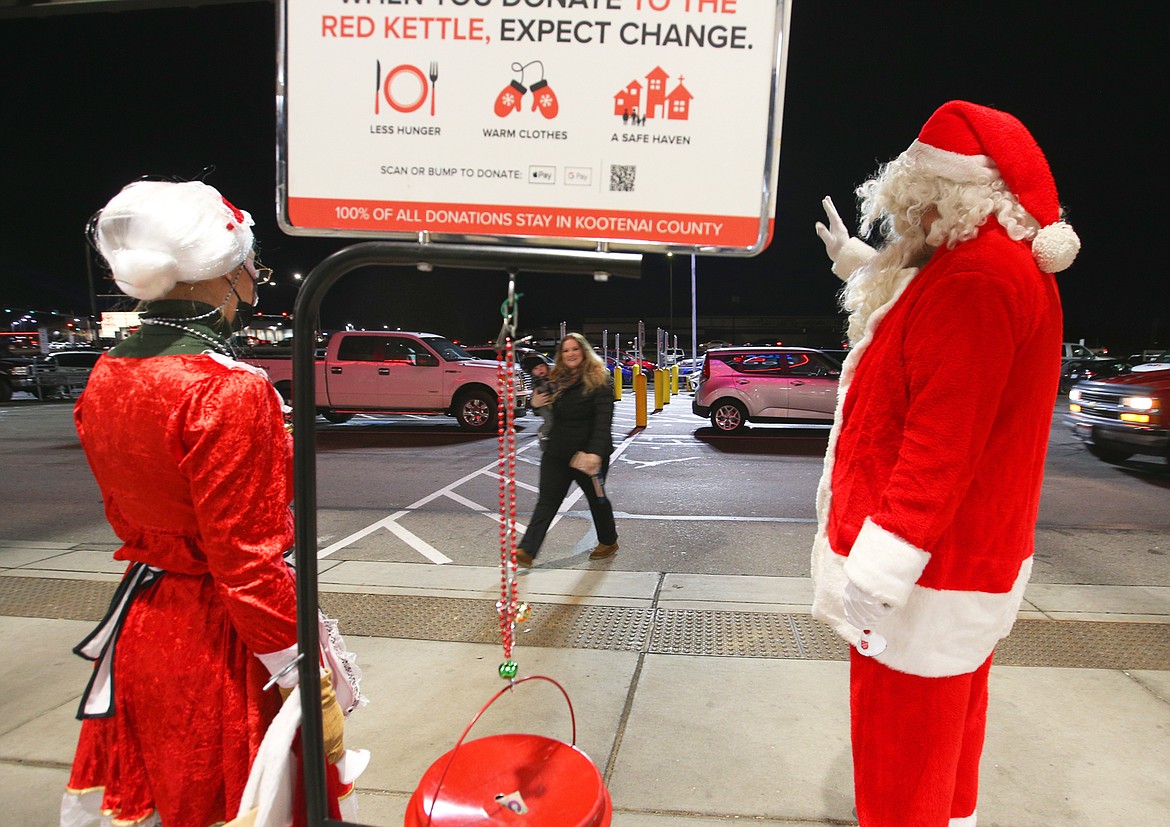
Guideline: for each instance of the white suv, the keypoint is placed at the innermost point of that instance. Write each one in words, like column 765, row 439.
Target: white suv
column 766, row 384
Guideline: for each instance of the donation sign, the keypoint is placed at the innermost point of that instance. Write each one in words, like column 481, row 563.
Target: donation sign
column 637, row 124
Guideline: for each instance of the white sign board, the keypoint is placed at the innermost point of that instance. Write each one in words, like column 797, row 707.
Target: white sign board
column 638, row 124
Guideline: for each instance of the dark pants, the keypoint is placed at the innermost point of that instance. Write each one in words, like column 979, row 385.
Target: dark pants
column 555, row 477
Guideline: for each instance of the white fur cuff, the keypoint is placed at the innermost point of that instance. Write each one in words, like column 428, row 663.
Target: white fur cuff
column 854, row 253
column 884, row 564
column 276, row 662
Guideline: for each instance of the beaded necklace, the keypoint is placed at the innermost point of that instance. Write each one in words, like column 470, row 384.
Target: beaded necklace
column 219, row 343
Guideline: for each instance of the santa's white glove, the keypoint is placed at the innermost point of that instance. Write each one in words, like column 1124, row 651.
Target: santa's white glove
column 835, row 235
column 862, row 609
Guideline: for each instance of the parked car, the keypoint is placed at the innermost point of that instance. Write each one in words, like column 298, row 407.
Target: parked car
column 1080, row 370
column 1156, row 361
column 766, row 384
column 1073, row 350
column 401, row 372
column 521, row 353
column 59, row 374
column 1123, row 415
column 689, row 371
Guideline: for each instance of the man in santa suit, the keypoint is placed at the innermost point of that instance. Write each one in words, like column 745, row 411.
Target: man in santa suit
column 928, row 500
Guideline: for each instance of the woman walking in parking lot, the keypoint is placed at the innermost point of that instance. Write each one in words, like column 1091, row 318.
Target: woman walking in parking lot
column 189, row 449
column 578, row 447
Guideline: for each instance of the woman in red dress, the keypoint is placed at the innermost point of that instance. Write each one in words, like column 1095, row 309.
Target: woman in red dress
column 194, row 463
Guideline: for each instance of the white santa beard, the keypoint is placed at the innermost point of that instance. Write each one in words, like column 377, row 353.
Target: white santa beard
column 881, row 278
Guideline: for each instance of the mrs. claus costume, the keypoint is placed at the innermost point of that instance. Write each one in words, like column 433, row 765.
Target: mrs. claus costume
column 932, row 479
column 189, row 449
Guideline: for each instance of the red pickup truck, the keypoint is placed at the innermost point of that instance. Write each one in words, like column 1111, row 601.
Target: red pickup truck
column 401, row 372
column 1123, row 415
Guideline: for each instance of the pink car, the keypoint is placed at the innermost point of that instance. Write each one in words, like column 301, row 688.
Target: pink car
column 767, row 384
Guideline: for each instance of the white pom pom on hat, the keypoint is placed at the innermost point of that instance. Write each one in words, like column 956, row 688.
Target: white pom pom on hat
column 154, row 234
column 963, row 140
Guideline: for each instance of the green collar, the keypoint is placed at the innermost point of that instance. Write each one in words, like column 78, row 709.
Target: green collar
column 176, row 330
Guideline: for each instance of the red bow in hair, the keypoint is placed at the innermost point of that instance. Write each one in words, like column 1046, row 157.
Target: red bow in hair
column 239, row 215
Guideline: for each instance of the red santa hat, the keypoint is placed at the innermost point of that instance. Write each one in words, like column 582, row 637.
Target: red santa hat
column 965, row 142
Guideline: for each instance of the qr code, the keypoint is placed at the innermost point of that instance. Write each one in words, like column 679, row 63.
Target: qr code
column 621, row 177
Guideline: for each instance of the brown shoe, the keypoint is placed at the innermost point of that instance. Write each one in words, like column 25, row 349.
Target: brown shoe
column 523, row 560
column 602, row 551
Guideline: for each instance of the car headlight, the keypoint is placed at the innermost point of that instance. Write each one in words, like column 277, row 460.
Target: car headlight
column 1074, row 395
column 1139, row 403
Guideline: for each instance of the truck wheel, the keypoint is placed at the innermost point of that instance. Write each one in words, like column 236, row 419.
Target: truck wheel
column 1111, row 455
column 285, row 391
column 476, row 410
column 336, row 417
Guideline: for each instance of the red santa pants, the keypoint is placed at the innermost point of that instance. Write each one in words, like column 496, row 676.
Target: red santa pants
column 916, row 744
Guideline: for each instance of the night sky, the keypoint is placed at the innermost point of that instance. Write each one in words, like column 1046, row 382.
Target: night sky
column 93, row 101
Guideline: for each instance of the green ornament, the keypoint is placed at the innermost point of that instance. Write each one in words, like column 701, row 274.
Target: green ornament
column 508, row 669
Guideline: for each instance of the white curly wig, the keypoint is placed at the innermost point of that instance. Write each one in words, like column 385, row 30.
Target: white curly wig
column 155, row 234
column 895, row 201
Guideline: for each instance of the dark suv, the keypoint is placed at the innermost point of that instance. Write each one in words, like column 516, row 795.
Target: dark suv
column 767, row 384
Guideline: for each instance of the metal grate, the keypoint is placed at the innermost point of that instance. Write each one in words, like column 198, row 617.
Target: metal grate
column 1052, row 643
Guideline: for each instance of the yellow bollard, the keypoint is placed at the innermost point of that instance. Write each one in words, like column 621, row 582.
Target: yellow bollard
column 665, row 386
column 658, row 385
column 617, row 383
column 674, row 379
column 640, row 399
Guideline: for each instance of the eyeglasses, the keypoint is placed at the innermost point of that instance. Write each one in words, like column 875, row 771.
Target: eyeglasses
column 259, row 273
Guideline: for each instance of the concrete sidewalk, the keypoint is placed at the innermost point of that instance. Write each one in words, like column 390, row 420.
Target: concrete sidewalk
column 681, row 697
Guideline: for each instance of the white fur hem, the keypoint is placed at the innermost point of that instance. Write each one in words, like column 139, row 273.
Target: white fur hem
column 884, row 565
column 969, row 821
column 936, row 633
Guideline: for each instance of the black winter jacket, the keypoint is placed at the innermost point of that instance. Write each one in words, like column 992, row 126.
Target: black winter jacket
column 581, row 422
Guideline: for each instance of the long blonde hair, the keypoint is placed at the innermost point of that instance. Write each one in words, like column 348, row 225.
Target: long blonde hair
column 592, row 372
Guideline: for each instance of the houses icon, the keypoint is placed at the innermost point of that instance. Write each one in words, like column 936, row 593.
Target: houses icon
column 628, row 104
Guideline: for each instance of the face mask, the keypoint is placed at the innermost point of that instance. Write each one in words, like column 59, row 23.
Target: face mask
column 245, row 312
column 244, row 315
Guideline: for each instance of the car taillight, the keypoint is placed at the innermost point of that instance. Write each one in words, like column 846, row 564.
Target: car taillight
column 705, row 373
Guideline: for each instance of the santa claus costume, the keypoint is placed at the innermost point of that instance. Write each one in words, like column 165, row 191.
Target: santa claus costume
column 928, row 500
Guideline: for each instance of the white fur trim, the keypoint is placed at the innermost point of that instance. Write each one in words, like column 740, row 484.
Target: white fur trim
column 853, row 254
column 276, row 661
column 1055, row 247
column 828, row 574
column 235, row 364
column 940, row 633
column 964, row 169
column 937, row 633
column 884, row 565
column 969, row 821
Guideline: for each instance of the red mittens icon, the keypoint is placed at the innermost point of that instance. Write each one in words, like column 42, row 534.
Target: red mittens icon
column 544, row 99
column 508, row 101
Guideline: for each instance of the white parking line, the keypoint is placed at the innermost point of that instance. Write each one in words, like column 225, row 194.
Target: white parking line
column 391, row 524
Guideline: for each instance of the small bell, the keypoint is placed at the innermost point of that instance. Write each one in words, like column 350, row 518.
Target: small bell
column 508, row 669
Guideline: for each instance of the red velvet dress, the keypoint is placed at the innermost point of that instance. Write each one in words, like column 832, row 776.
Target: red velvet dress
column 195, row 469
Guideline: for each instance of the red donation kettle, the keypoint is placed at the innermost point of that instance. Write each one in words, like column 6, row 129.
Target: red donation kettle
column 514, row 780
